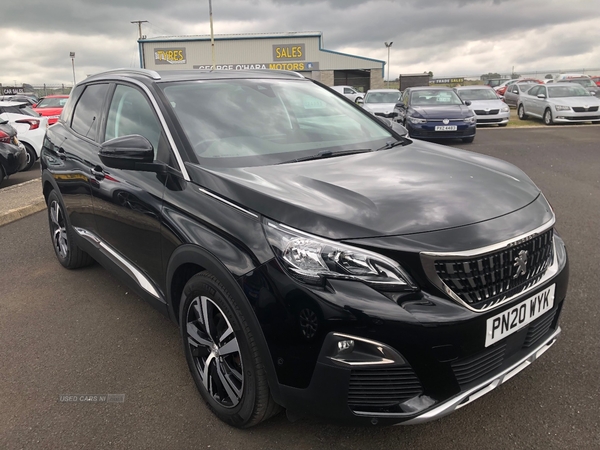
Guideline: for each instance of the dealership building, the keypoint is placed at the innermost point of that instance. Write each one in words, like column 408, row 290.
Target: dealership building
column 301, row 52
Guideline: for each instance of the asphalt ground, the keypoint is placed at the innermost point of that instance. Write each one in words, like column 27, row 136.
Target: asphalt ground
column 83, row 333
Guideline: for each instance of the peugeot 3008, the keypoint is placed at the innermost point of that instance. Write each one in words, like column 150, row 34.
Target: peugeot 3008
column 313, row 259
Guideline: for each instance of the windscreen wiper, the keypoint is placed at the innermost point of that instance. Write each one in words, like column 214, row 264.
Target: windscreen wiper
column 328, row 154
column 392, row 144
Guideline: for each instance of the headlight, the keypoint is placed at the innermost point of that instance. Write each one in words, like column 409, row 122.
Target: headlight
column 416, row 120
column 562, row 108
column 505, row 109
column 471, row 119
column 312, row 259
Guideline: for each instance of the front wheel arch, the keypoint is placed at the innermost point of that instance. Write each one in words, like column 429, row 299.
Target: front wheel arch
column 188, row 260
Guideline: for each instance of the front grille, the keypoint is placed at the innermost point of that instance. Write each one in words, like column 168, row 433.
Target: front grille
column 382, row 388
column 470, row 369
column 486, row 280
column 481, row 112
column 538, row 329
column 582, row 109
column 489, row 120
column 582, row 117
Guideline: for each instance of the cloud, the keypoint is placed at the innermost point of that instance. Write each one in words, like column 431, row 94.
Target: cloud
column 448, row 37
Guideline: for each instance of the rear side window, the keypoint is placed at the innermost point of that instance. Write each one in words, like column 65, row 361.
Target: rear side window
column 86, row 116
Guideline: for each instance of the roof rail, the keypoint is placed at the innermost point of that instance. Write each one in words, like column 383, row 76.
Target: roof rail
column 145, row 72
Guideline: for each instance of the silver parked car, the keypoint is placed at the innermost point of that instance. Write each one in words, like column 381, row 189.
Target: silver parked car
column 381, row 102
column 486, row 104
column 586, row 82
column 559, row 103
column 513, row 92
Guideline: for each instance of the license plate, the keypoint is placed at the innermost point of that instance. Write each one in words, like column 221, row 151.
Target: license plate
column 515, row 318
column 446, row 128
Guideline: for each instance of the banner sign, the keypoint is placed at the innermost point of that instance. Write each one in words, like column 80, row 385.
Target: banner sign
column 12, row 90
column 294, row 66
column 447, row 81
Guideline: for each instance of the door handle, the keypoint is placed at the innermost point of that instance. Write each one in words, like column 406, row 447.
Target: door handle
column 98, row 173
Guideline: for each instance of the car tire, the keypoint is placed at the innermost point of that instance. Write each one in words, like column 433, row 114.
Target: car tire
column 357, row 99
column 521, row 112
column 63, row 237
column 548, row 117
column 468, row 140
column 1, row 174
column 31, row 157
column 233, row 384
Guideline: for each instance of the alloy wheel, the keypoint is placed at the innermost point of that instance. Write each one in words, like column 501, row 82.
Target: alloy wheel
column 215, row 351
column 59, row 230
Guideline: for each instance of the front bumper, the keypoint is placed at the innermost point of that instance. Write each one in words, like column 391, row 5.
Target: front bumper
column 427, row 130
column 493, row 119
column 575, row 117
column 446, row 363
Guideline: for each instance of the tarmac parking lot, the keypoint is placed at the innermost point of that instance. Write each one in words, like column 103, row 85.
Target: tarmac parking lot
column 71, row 338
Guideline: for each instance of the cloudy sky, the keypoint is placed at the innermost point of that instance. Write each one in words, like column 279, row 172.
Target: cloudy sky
column 447, row 37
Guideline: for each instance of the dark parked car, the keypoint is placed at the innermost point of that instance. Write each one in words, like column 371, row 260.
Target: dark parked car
column 13, row 156
column 312, row 258
column 436, row 113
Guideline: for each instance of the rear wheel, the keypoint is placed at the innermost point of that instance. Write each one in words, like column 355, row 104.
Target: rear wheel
column 548, row 117
column 62, row 235
column 521, row 112
column 222, row 354
column 31, row 157
column 1, row 174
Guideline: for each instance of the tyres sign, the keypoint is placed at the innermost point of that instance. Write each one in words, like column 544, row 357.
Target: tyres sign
column 170, row 56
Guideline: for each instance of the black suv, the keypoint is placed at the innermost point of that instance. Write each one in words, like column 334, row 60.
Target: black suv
column 312, row 258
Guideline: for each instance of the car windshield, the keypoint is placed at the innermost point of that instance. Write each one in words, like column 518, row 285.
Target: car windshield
column 567, row 91
column 27, row 110
column 585, row 82
column 477, row 94
column 242, row 123
column 524, row 87
column 382, row 97
column 52, row 102
column 434, row 98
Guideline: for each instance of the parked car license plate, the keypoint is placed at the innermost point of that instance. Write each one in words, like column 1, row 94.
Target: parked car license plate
column 515, row 318
column 445, row 128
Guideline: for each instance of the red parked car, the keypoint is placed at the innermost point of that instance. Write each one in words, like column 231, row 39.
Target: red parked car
column 502, row 90
column 596, row 80
column 51, row 106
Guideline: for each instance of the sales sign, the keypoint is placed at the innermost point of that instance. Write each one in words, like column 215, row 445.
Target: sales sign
column 446, row 81
column 290, row 52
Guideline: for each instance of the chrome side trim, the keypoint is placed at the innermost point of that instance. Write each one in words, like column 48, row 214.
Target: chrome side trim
column 464, row 398
column 375, row 344
column 428, row 263
column 227, row 202
column 139, row 277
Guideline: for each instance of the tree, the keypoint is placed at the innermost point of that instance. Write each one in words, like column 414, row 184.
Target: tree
column 489, row 76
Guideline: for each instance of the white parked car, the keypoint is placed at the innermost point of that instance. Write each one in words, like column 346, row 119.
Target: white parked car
column 559, row 103
column 30, row 126
column 486, row 104
column 381, row 102
column 349, row 92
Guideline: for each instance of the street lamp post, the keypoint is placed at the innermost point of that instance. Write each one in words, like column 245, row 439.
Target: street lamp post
column 72, row 55
column 388, row 45
column 212, row 34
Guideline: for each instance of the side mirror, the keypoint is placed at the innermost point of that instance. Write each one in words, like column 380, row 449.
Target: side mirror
column 395, row 126
column 132, row 152
column 468, row 102
column 542, row 96
column 592, row 93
